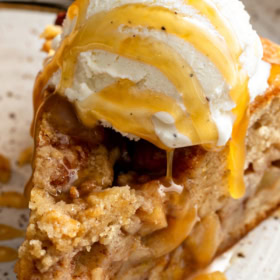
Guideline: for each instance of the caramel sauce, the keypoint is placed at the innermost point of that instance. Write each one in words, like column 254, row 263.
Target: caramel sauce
column 8, row 233
column 142, row 16
column 78, row 9
column 169, row 171
column 218, row 21
column 274, row 78
column 211, row 276
column 132, row 113
column 237, row 151
column 114, row 103
column 167, row 183
column 28, row 188
column 7, row 254
column 106, row 37
column 130, row 110
column 13, row 199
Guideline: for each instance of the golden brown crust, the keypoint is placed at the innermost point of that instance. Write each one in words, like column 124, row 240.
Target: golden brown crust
column 271, row 51
column 262, row 100
column 272, row 56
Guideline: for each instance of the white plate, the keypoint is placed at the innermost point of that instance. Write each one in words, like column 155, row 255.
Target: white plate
column 20, row 60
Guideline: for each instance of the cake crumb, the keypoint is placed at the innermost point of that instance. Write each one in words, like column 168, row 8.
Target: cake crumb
column 50, row 32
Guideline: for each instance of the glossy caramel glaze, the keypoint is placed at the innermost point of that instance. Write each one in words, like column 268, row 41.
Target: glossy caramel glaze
column 8, row 233
column 7, row 254
column 13, row 199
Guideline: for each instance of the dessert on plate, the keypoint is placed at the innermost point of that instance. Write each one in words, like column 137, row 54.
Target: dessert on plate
column 156, row 140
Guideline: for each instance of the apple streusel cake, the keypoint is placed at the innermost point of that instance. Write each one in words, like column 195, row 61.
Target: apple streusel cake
column 100, row 210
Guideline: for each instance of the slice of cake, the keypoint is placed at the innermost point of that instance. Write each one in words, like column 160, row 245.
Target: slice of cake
column 156, row 141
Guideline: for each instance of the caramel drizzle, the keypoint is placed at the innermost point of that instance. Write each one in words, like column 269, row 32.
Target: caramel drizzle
column 236, row 158
column 169, row 171
column 13, row 199
column 105, row 36
column 133, row 111
column 139, row 49
column 8, row 233
column 7, row 254
column 158, row 18
column 237, row 149
column 217, row 20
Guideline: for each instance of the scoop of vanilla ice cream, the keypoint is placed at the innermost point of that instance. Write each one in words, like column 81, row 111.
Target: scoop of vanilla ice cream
column 98, row 69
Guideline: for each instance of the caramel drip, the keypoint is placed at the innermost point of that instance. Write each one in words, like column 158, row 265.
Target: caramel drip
column 168, row 182
column 28, row 188
column 274, row 78
column 78, row 10
column 13, row 199
column 237, row 149
column 8, row 233
column 7, row 254
column 240, row 95
column 169, row 171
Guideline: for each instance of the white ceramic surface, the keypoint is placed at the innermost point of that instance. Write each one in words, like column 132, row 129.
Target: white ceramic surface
column 20, row 60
